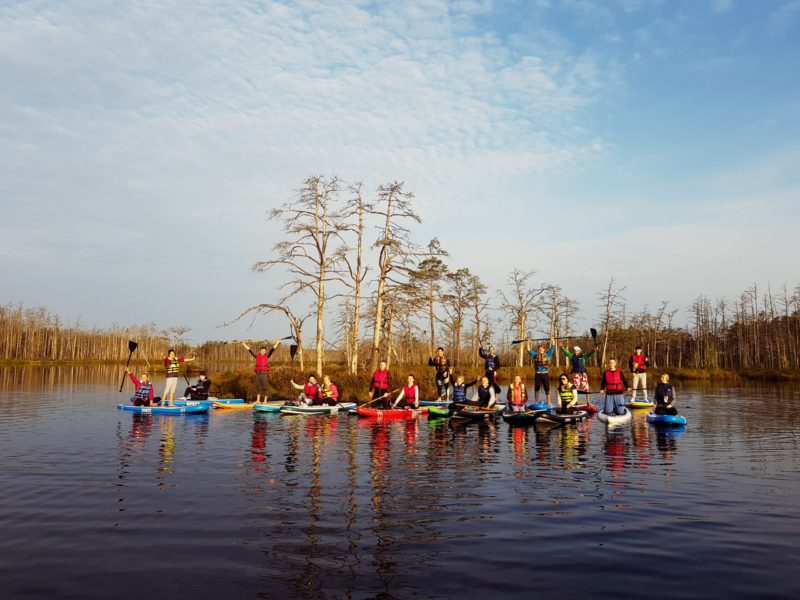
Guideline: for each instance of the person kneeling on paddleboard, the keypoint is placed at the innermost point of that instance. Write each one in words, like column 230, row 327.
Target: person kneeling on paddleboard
column 484, row 396
column 329, row 392
column 409, row 395
column 517, row 395
column 613, row 386
column 200, row 390
column 144, row 389
column 567, row 394
column 665, row 396
column 310, row 391
column 459, row 394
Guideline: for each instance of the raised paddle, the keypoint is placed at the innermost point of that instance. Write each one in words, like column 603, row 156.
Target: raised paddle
column 547, row 339
column 132, row 347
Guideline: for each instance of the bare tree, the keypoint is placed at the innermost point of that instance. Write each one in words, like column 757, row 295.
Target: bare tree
column 311, row 224
column 456, row 303
column 478, row 303
column 612, row 302
column 397, row 252
column 519, row 304
column 357, row 272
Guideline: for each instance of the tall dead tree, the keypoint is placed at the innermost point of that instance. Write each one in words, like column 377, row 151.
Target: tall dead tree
column 612, row 302
column 478, row 303
column 356, row 208
column 397, row 253
column 519, row 303
column 311, row 225
column 456, row 302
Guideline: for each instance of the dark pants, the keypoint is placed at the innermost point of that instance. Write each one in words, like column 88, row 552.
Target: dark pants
column 191, row 393
column 383, row 403
column 441, row 386
column 661, row 409
column 141, row 401
column 261, row 383
column 541, row 380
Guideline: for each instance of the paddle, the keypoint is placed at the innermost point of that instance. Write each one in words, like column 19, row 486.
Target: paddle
column 382, row 397
column 547, row 339
column 132, row 347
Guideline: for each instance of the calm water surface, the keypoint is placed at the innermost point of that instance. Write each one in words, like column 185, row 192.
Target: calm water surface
column 97, row 503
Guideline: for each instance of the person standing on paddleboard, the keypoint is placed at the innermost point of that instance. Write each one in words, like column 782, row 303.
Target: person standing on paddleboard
column 541, row 368
column 639, row 363
column 442, row 366
column 578, row 361
column 613, row 386
column 379, row 386
column 144, row 389
column 172, row 363
column 665, row 396
column 262, row 369
column 491, row 363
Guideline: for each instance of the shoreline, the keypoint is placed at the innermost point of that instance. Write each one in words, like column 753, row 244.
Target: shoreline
column 677, row 374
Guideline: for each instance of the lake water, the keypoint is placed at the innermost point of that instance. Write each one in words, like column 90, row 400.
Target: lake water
column 99, row 503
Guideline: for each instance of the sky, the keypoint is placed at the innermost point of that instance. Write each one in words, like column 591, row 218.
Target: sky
column 143, row 143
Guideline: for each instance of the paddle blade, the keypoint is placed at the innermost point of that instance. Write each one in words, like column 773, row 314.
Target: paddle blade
column 593, row 331
column 292, row 350
column 132, row 346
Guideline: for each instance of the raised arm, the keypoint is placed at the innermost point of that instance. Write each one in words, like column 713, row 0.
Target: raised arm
column 295, row 386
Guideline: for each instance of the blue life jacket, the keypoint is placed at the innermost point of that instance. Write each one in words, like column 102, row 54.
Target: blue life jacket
column 484, row 395
column 577, row 364
column 460, row 392
column 143, row 393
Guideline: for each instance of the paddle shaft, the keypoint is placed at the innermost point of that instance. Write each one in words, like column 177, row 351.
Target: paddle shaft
column 382, row 397
column 128, row 364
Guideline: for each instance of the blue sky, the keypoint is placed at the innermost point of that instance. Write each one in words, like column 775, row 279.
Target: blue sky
column 143, row 143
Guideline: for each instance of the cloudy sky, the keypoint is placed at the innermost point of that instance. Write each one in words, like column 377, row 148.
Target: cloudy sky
column 143, row 143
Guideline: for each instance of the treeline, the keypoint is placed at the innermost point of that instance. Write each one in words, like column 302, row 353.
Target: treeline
column 34, row 334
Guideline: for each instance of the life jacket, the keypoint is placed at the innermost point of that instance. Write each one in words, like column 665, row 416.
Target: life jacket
column 380, row 380
column 517, row 394
column 143, row 393
column 328, row 392
column 460, row 392
column 262, row 362
column 566, row 395
column 541, row 362
column 311, row 390
column 409, row 393
column 578, row 365
column 490, row 362
column 173, row 366
column 614, row 381
column 441, row 365
column 484, row 395
column 639, row 359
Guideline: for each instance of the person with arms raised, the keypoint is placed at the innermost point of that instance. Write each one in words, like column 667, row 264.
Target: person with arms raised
column 541, row 369
column 491, row 364
column 578, row 362
column 144, row 389
column 172, row 364
column 262, row 369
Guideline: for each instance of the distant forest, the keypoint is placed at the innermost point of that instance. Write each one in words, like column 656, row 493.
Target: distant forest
column 759, row 330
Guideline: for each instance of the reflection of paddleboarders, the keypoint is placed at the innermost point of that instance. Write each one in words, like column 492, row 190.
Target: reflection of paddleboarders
column 491, row 364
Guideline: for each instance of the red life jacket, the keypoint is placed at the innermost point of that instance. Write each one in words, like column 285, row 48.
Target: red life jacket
column 409, row 393
column 639, row 359
column 311, row 390
column 380, row 380
column 614, row 382
column 517, row 394
column 262, row 362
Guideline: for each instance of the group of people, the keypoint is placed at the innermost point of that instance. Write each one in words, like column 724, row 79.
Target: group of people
column 144, row 394
column 613, row 382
